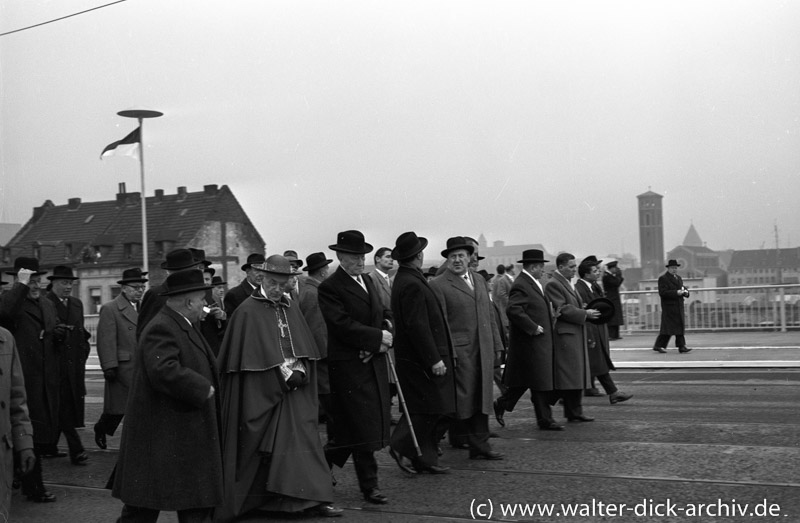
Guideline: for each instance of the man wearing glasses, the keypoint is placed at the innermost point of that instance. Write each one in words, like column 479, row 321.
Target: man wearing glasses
column 116, row 344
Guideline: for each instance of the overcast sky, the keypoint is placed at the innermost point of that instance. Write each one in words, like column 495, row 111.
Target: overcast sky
column 529, row 122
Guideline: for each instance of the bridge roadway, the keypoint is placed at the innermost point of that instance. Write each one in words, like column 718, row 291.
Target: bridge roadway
column 718, row 426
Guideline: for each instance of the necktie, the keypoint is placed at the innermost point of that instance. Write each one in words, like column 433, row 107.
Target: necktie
column 469, row 282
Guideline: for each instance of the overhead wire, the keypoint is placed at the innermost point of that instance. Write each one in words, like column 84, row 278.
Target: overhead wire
column 61, row 18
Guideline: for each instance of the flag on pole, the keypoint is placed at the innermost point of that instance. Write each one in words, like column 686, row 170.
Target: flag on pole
column 128, row 146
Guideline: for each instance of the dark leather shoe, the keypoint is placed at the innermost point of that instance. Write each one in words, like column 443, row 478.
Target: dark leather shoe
column 498, row 414
column 375, row 496
column 580, row 418
column 42, row 497
column 662, row 350
column 594, row 391
column 326, row 511
column 619, row 397
column 552, row 426
column 432, row 469
column 79, row 459
column 684, row 350
column 399, row 460
column 488, row 455
column 100, row 438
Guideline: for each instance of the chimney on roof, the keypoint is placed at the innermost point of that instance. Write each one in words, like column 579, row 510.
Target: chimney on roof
column 73, row 203
column 122, row 187
column 210, row 190
column 181, row 193
column 159, row 195
column 38, row 212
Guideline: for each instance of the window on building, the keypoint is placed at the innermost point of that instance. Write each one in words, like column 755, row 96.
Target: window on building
column 95, row 299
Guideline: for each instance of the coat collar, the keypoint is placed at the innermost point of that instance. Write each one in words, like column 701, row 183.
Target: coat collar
column 457, row 282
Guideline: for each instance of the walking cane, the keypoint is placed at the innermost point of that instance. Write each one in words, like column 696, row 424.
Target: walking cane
column 404, row 406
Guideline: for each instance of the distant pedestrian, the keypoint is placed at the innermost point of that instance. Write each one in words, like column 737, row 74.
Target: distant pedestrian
column 612, row 281
column 672, row 293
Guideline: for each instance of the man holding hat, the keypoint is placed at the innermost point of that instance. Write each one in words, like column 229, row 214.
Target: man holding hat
column 273, row 458
column 252, row 281
column 531, row 357
column 425, row 365
column 72, row 344
column 612, row 282
column 464, row 296
column 317, row 269
column 116, row 348
column 154, row 299
column 672, row 293
column 596, row 334
column 32, row 321
column 359, row 335
column 170, row 456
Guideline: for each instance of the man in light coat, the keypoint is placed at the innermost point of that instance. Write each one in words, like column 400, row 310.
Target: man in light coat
column 464, row 297
column 116, row 347
column 571, row 368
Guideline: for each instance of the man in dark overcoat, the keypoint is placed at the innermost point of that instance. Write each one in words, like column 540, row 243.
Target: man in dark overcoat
column 170, row 456
column 571, row 366
column 359, row 335
column 464, row 296
column 612, row 281
column 73, row 349
column 596, row 334
column 252, row 280
column 32, row 321
column 530, row 361
column 672, row 293
column 116, row 347
column 424, row 352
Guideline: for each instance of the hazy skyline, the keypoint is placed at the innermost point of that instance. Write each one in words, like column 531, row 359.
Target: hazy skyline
column 528, row 122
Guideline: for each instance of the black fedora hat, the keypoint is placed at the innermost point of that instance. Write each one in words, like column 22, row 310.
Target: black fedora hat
column 432, row 270
column 673, row 263
column 351, row 242
column 22, row 262
column 591, row 260
column 458, row 242
column 179, row 259
column 485, row 274
column 407, row 245
column 612, row 264
column 62, row 272
column 532, row 256
column 134, row 275
column 253, row 258
column 316, row 261
column 200, row 256
column 183, row 281
column 293, row 259
column 276, row 264
column 606, row 308
column 217, row 280
column 211, row 270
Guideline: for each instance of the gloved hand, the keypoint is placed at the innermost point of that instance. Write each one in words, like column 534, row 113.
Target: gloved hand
column 296, row 380
column 60, row 331
column 110, row 374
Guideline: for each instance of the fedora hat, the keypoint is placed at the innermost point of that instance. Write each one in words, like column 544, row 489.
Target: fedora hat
column 458, row 242
column 432, row 270
column 217, row 280
column 62, row 272
column 276, row 264
column 183, row 281
column 673, row 263
column 612, row 264
column 591, row 260
column 351, row 242
column 606, row 308
column 200, row 256
column 253, row 258
column 134, row 275
column 532, row 256
column 179, row 259
column 22, row 262
column 211, row 270
column 485, row 274
column 407, row 245
column 316, row 261
column 293, row 259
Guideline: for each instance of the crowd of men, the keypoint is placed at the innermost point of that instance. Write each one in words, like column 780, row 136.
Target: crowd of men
column 222, row 392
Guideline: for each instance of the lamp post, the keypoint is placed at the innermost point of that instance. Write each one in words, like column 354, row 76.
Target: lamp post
column 141, row 114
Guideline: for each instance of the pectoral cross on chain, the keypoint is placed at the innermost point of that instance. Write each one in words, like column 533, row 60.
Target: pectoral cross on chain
column 282, row 325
